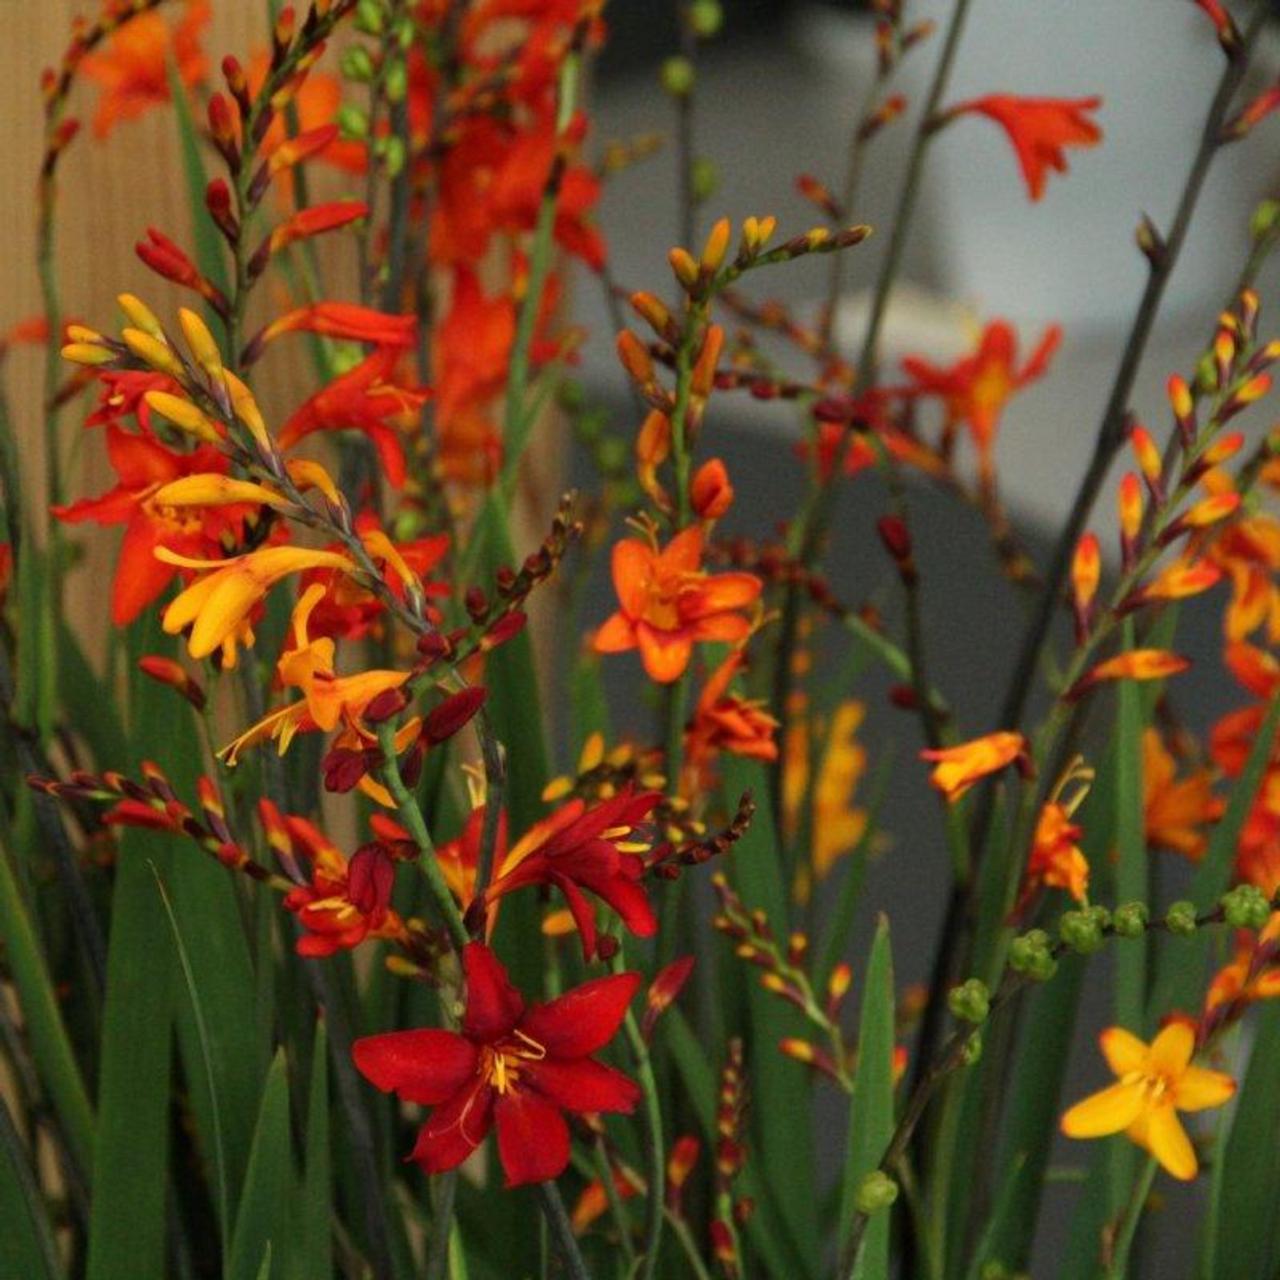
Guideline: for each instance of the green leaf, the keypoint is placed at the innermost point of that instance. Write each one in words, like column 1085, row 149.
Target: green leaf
column 94, row 717
column 871, row 1109
column 1246, row 1236
column 262, row 1222
column 127, row 1216
column 317, row 1249
column 46, row 1033
column 202, row 1033
column 987, row 1249
column 783, row 1124
column 27, row 1247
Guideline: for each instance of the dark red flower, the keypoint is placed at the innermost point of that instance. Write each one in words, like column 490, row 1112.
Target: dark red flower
column 577, row 848
column 512, row 1066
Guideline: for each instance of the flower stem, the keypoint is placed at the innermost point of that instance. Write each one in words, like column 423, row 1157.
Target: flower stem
column 411, row 814
column 562, row 1230
column 655, row 1160
column 1118, row 1265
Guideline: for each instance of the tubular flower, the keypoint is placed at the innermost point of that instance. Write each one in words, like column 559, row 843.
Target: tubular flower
column 1134, row 664
column 1056, row 860
column 328, row 698
column 723, row 721
column 669, row 603
column 132, row 69
column 975, row 390
column 577, row 848
column 1232, row 737
column 1258, row 853
column 366, row 398
column 1155, row 1082
column 514, row 1067
column 217, row 605
column 1248, row 552
column 957, row 768
column 345, row 902
column 1176, row 811
column 344, row 320
column 143, row 466
column 1039, row 129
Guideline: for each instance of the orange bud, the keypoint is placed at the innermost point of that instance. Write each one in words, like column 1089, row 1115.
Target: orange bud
column 653, row 311
column 710, row 492
column 166, row 671
column 704, row 371
column 1181, row 579
column 1086, row 571
column 681, row 1161
column 756, row 233
column 1223, row 449
column 153, row 352
column 1130, row 506
column 1254, row 389
column 635, row 358
column 685, row 268
column 663, row 991
column 1209, row 511
column 800, row 1050
column 653, row 443
column 957, row 768
column 1136, row 664
column 716, row 247
column 1146, row 453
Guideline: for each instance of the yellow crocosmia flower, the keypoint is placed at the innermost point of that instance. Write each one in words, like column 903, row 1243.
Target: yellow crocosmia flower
column 307, row 474
column 184, row 415
column 838, row 823
column 201, row 342
column 209, row 489
column 218, row 603
column 246, row 409
column 1154, row 1083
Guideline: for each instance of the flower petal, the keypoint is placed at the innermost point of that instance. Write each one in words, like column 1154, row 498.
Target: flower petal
column 583, row 1020
column 1108, row 1111
column 1123, row 1050
column 456, row 1128
column 425, row 1066
column 533, row 1139
column 583, row 1085
column 1162, row 1134
column 494, row 1006
column 665, row 654
column 1197, row 1089
column 1171, row 1050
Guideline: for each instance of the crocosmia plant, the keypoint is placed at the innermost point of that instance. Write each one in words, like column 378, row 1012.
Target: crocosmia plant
column 448, row 841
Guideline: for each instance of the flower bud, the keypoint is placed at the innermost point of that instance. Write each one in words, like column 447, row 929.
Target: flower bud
column 1130, row 919
column 1246, row 907
column 1080, row 931
column 678, row 77
column 875, row 1191
column 970, row 1001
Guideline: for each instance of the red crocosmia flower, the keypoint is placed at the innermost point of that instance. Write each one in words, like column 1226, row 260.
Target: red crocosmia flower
column 344, row 320
column 123, row 395
column 143, row 465
column 458, row 858
column 132, row 67
column 1258, row 852
column 345, row 902
column 975, row 390
column 1040, row 129
column 577, row 848
column 366, row 398
column 514, row 1067
column 669, row 603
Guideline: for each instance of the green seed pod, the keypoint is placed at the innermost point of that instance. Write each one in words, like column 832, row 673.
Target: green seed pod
column 356, row 64
column 393, row 155
column 1080, row 931
column 396, row 83
column 970, row 1001
column 874, row 1192
column 1181, row 918
column 369, row 17
column 972, row 1049
column 1130, row 919
column 678, row 77
column 1246, row 907
column 704, row 178
column 706, row 17
column 1264, row 219
column 353, row 122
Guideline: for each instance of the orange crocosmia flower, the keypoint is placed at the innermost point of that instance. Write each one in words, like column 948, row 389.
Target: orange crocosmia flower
column 1175, row 810
column 1252, row 974
column 133, row 66
column 975, row 390
column 1248, row 552
column 837, row 823
column 308, row 665
column 143, row 466
column 723, row 721
column 366, row 398
column 344, row 902
column 1040, row 129
column 669, row 603
column 1056, row 860
column 216, row 606
column 1232, row 737
column 1135, row 664
column 344, row 320
column 1155, row 1082
column 1258, row 852
column 957, row 768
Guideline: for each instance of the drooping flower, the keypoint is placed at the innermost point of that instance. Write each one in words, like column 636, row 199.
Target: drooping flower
column 579, row 848
column 514, row 1067
column 1040, row 129
column 669, row 603
column 366, row 398
column 1176, row 810
column 975, row 390
column 1056, row 859
column 328, row 698
column 1155, row 1082
column 217, row 605
column 1253, row 973
column 133, row 66
column 957, row 768
column 344, row 902
column 725, row 721
column 143, row 466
